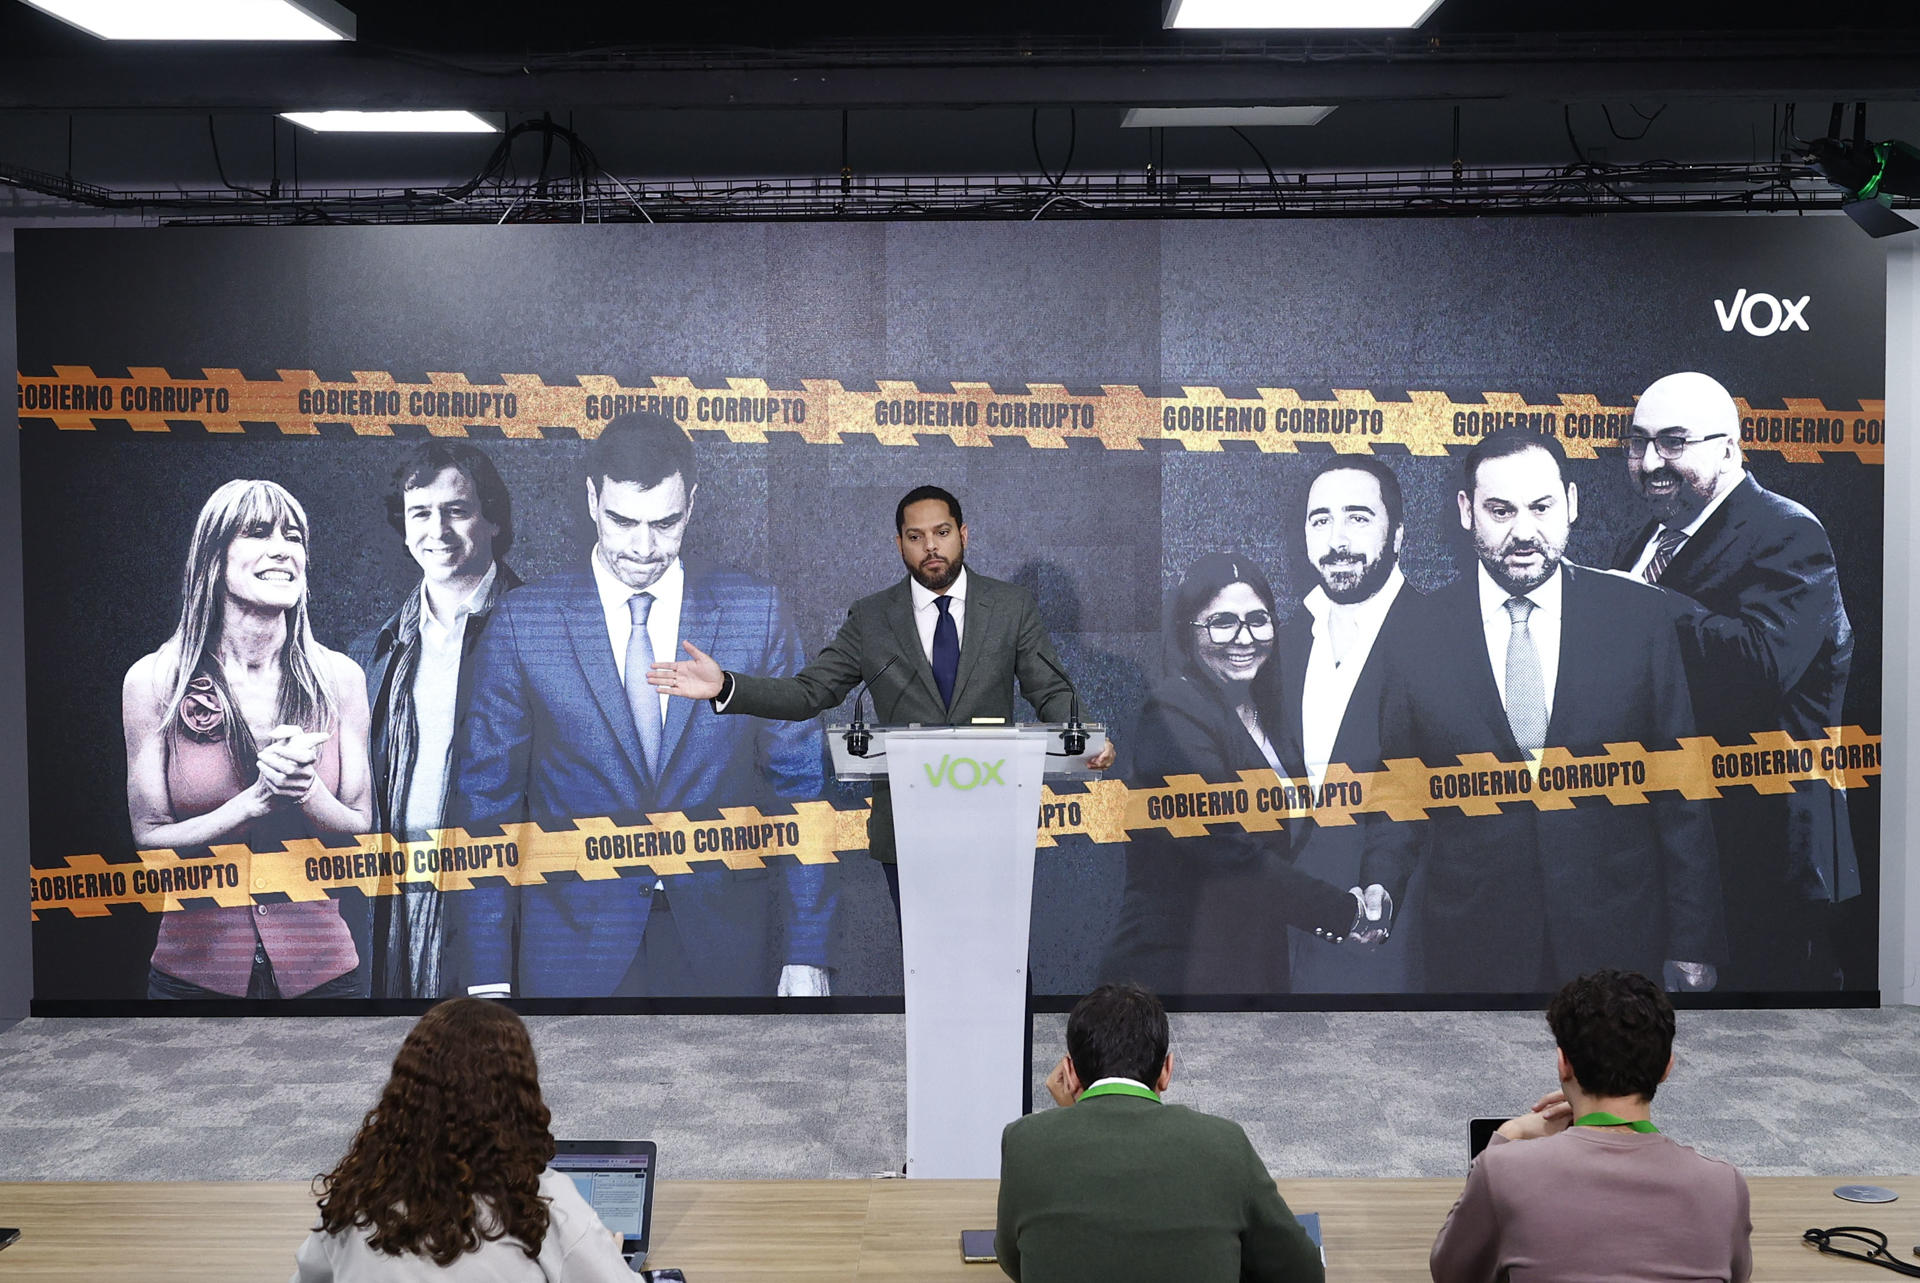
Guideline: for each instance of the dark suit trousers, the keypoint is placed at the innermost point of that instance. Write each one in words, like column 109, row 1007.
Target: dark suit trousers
column 1777, row 941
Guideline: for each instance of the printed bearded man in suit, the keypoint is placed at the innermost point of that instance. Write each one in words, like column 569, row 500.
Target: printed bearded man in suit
column 1768, row 647
column 565, row 726
column 1525, row 651
column 1332, row 662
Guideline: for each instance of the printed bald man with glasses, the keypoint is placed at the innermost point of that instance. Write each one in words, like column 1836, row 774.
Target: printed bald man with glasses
column 1767, row 647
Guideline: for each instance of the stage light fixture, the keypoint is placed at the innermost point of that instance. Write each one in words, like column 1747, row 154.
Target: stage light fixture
column 1873, row 173
column 1221, row 117
column 204, row 19
column 1868, row 170
column 391, row 122
column 1875, row 217
column 1342, row 15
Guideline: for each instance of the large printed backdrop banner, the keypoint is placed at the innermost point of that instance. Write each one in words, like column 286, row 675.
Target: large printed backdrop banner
column 262, row 768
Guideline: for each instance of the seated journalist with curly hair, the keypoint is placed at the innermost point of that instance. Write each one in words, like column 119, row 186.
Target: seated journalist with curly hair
column 447, row 1179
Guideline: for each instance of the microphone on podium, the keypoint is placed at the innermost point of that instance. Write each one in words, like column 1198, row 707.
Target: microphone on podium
column 859, row 738
column 1074, row 738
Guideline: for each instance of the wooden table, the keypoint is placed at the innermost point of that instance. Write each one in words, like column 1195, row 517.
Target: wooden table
column 888, row 1231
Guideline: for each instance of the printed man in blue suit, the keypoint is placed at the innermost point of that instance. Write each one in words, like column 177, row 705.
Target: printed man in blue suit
column 564, row 726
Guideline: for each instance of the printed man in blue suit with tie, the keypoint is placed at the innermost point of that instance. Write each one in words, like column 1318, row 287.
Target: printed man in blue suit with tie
column 1523, row 653
column 564, row 726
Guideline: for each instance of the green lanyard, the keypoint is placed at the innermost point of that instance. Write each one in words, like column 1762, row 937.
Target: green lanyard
column 1614, row 1120
column 1120, row 1089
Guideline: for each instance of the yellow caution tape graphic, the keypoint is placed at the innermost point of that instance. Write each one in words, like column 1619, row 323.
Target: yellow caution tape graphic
column 1107, row 811
column 1045, row 416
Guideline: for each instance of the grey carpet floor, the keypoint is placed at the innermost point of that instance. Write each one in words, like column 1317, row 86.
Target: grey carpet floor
column 752, row 1097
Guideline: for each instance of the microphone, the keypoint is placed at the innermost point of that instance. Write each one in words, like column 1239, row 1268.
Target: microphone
column 859, row 738
column 1074, row 737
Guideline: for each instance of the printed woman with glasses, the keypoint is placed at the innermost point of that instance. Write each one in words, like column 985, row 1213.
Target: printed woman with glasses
column 1208, row 913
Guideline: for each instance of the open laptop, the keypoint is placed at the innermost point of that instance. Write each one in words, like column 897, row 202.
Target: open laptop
column 616, row 1178
column 1479, row 1132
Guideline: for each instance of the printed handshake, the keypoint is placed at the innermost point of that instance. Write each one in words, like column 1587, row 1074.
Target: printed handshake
column 1372, row 917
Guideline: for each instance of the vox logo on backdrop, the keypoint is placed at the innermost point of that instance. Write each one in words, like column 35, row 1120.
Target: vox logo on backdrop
column 1762, row 314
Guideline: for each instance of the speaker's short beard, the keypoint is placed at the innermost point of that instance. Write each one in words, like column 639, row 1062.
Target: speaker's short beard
column 943, row 582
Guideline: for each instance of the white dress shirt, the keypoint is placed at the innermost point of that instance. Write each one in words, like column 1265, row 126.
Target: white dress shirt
column 1689, row 530
column 663, row 621
column 926, row 615
column 1343, row 637
column 436, row 693
column 1543, row 623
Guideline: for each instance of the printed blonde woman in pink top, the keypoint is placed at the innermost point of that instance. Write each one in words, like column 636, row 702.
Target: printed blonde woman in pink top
column 243, row 729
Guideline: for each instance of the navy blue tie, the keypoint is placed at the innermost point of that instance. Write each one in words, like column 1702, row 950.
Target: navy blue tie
column 946, row 650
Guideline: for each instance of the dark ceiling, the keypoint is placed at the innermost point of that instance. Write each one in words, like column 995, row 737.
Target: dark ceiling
column 513, row 27
column 988, row 87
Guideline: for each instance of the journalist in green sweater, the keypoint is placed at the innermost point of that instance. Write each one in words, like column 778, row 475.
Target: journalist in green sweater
column 1121, row 1187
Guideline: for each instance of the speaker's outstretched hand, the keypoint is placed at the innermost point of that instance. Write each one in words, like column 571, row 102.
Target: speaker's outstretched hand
column 696, row 678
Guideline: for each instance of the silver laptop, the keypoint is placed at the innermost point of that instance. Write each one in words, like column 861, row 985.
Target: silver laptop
column 616, row 1178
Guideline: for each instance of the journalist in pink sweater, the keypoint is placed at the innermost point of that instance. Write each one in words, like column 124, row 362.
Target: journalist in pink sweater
column 1584, row 1187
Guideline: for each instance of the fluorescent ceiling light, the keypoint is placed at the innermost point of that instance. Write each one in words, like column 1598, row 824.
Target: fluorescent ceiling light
column 205, row 19
column 1245, row 15
column 1221, row 117
column 392, row 122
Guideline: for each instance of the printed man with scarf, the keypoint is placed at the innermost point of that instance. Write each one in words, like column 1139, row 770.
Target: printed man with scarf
column 450, row 506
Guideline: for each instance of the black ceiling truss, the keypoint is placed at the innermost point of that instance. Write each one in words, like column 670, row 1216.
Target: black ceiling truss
column 588, row 194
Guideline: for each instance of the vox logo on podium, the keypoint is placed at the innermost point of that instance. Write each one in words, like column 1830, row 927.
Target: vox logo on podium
column 963, row 773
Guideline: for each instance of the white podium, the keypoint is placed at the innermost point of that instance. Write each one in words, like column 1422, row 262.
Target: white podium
column 966, row 807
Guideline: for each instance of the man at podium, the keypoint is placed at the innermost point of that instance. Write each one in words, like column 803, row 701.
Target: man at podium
column 943, row 647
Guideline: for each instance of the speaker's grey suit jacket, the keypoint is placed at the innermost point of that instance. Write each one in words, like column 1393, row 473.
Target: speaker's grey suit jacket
column 1002, row 641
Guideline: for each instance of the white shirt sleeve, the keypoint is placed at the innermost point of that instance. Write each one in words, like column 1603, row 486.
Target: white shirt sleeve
column 313, row 1263
column 578, row 1248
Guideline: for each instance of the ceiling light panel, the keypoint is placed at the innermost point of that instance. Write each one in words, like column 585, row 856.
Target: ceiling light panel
column 1221, row 117
column 391, row 122
column 204, row 19
column 1282, row 15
